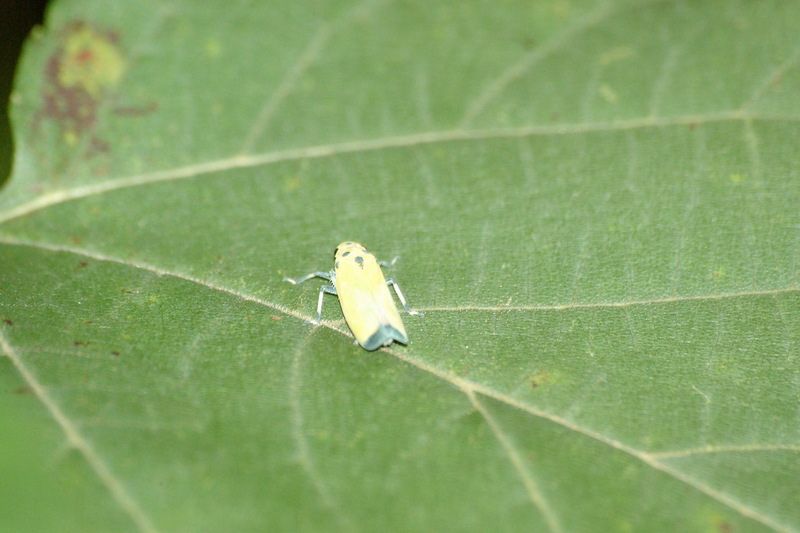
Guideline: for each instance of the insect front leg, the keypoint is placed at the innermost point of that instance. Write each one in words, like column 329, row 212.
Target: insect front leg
column 389, row 263
column 402, row 298
column 325, row 288
column 330, row 289
column 323, row 275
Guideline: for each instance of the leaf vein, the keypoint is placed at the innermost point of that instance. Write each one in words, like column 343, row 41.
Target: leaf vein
column 114, row 486
column 296, row 71
column 59, row 196
column 605, row 305
column 521, row 67
column 704, row 450
column 301, row 442
column 515, row 458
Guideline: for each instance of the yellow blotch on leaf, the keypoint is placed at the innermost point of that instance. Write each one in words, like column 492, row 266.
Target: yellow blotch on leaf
column 292, row 183
column 213, row 48
column 618, row 53
column 561, row 8
column 608, row 94
column 91, row 61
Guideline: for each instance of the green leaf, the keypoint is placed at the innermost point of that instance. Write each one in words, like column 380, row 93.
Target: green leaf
column 596, row 205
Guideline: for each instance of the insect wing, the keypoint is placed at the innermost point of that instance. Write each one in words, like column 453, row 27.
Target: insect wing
column 367, row 304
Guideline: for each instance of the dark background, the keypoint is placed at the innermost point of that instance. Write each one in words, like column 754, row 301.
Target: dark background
column 17, row 18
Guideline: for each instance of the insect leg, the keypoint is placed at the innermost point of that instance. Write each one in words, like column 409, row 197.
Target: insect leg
column 389, row 264
column 323, row 275
column 402, row 298
column 330, row 289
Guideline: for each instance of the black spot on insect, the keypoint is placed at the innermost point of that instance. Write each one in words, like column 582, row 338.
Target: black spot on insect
column 336, row 265
column 345, row 254
column 360, row 261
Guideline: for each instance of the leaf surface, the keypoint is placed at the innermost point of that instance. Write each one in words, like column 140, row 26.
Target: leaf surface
column 596, row 208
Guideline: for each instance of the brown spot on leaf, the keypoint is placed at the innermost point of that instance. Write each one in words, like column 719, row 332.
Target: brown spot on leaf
column 8, row 321
column 114, row 352
column 82, row 75
column 136, row 111
column 97, row 146
column 540, row 377
column 723, row 526
column 79, row 74
column 24, row 389
column 101, row 170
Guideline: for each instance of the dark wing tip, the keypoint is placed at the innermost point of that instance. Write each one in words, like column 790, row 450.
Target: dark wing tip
column 385, row 336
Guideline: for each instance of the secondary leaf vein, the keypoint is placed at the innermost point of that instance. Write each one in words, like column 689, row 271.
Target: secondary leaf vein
column 519, row 465
column 115, row 487
column 58, row 196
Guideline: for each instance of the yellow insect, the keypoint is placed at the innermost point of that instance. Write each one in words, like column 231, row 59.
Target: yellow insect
column 367, row 304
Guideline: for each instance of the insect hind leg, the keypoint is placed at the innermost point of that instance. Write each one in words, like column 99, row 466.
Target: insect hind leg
column 402, row 298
